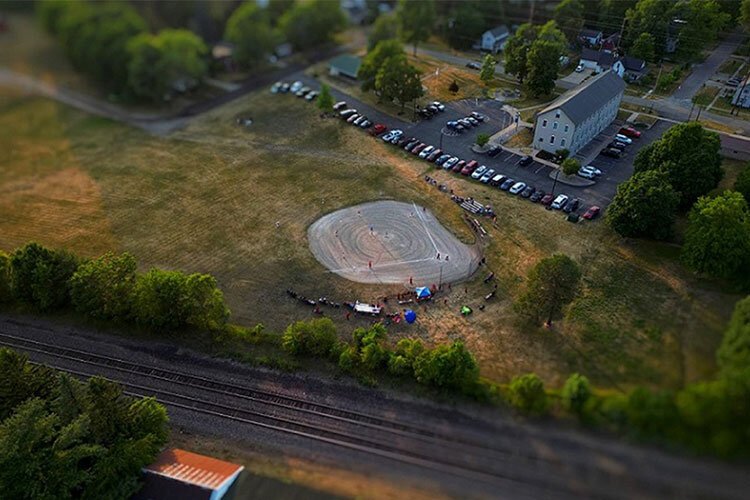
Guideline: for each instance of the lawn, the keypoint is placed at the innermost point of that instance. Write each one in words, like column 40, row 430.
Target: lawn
column 207, row 199
column 730, row 66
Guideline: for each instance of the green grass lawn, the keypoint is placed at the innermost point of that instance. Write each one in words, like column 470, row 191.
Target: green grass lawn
column 207, row 198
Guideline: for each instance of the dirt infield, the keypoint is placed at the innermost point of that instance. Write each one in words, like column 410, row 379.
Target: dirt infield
column 390, row 242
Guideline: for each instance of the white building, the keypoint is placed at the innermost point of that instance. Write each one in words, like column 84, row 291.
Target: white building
column 494, row 40
column 741, row 96
column 579, row 115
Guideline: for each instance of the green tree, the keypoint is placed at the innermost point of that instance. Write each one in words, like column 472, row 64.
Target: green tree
column 649, row 16
column 20, row 380
column 399, row 81
column 569, row 16
column 374, row 59
column 689, row 155
column 415, row 20
column 325, row 99
column 49, row 13
column 717, row 240
column 40, row 276
column 309, row 338
column 742, row 183
column 102, row 288
column 6, row 294
column 652, row 414
column 643, row 47
column 517, row 49
column 570, row 166
column 482, row 139
column 487, row 74
column 526, row 393
column 745, row 14
column 447, row 366
column 466, row 26
column 402, row 359
column 704, row 19
column 644, row 206
column 734, row 352
column 205, row 302
column 249, row 28
column 543, row 66
column 384, row 28
column 551, row 285
column 576, row 393
column 310, row 24
column 277, row 8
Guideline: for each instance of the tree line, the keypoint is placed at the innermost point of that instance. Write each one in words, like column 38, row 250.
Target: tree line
column 62, row 438
column 111, row 43
column 108, row 288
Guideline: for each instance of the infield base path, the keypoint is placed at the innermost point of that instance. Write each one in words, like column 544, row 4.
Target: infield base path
column 390, row 242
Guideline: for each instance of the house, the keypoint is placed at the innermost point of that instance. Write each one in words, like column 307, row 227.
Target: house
column 494, row 40
column 611, row 43
column 673, row 35
column 634, row 68
column 572, row 120
column 601, row 60
column 223, row 53
column 741, row 96
column 345, row 65
column 181, row 474
column 590, row 38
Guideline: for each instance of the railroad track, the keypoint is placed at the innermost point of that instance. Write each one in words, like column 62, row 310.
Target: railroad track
column 355, row 441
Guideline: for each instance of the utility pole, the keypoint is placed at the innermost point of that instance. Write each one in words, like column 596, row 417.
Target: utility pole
column 531, row 12
column 622, row 30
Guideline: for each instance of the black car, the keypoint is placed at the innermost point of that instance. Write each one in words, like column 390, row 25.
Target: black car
column 507, row 184
column 411, row 145
column 538, row 195
column 617, row 145
column 403, row 141
column 612, row 153
column 494, row 151
column 527, row 192
column 571, row 205
column 526, row 160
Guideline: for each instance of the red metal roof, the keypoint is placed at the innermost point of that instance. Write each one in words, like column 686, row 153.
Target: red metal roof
column 193, row 468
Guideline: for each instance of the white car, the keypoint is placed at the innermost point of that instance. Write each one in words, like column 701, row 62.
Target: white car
column 347, row 113
column 560, row 201
column 487, row 176
column 586, row 174
column 360, row 120
column 275, row 88
column 476, row 174
column 296, row 87
column 339, row 105
column 624, row 139
column 450, row 163
column 517, row 187
column 579, row 68
column 426, row 151
column 387, row 137
column 439, row 105
column 592, row 169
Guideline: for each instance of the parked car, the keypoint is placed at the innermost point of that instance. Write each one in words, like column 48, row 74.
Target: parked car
column 526, row 160
column 390, row 135
column 497, row 180
column 411, row 145
column 466, row 123
column 450, row 163
column 536, row 196
column 586, row 174
column 397, row 138
column 276, row 87
column 403, row 141
column 592, row 212
column 443, row 158
column 284, row 88
column 624, row 139
column 467, row 170
column 592, row 169
column 560, row 201
column 339, row 106
column 347, row 113
column 439, row 105
column 359, row 120
column 433, row 108
column 630, row 132
column 434, row 155
column 365, row 124
column 507, row 183
column 579, row 68
column 312, row 95
column 418, row 148
column 474, row 122
column 296, row 86
column 303, row 91
column 458, row 167
column 612, row 152
column 517, row 187
column 426, row 151
column 352, row 118
column 473, row 164
column 571, row 206
column 473, row 65
column 487, row 176
column 494, row 151
column 476, row 174
column 526, row 193
column 617, row 145
column 547, row 200
column 425, row 113
column 478, row 116
column 378, row 129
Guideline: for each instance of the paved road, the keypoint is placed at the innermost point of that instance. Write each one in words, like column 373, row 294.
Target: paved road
column 535, row 459
column 702, row 72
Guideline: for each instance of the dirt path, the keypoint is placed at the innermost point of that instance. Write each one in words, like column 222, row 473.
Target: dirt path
column 389, row 242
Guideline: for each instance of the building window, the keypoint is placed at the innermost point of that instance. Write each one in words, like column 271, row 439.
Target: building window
column 544, row 123
column 554, row 126
column 557, row 114
column 566, row 128
column 552, row 139
column 562, row 142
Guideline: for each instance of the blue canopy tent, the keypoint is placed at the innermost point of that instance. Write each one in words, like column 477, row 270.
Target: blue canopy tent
column 423, row 293
column 410, row 316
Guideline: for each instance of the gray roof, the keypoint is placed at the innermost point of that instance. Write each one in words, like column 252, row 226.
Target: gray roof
column 588, row 33
column 581, row 102
column 633, row 63
column 602, row 57
column 346, row 64
column 499, row 31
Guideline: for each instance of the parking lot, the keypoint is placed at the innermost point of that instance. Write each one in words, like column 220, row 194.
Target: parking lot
column 614, row 170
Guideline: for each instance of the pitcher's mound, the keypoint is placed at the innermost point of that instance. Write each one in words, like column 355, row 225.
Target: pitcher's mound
column 390, row 242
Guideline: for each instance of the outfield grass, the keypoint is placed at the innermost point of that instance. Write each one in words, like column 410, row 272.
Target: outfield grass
column 207, row 198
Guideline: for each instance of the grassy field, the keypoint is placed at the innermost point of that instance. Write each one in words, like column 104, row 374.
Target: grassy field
column 207, row 198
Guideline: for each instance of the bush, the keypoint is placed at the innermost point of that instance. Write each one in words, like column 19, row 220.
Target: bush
column 526, row 393
column 402, row 359
column 102, row 288
column 483, row 139
column 447, row 366
column 5, row 291
column 40, row 276
column 315, row 337
column 742, row 183
column 576, row 393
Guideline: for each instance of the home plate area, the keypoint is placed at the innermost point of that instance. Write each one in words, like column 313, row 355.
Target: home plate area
column 389, row 242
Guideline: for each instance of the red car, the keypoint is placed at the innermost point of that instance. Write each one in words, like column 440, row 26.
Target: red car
column 592, row 212
column 459, row 166
column 378, row 129
column 468, row 169
column 434, row 155
column 547, row 200
column 418, row 148
column 472, row 165
column 630, row 132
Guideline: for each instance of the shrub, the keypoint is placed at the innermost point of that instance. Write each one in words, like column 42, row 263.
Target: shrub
column 483, row 139
column 526, row 393
column 102, row 288
column 315, row 337
column 575, row 393
column 447, row 366
column 40, row 276
column 5, row 291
